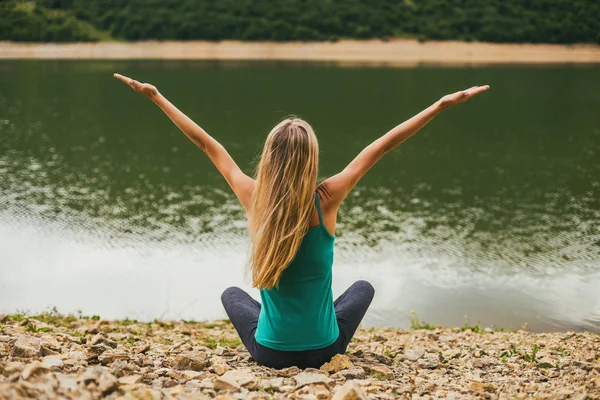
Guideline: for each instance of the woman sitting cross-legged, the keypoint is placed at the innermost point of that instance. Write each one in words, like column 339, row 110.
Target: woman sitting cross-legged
column 292, row 227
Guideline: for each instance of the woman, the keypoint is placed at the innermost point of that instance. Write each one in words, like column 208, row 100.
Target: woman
column 292, row 226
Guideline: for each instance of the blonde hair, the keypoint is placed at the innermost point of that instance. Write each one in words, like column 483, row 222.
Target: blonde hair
column 283, row 199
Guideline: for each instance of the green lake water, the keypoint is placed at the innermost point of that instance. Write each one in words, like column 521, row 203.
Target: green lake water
column 491, row 213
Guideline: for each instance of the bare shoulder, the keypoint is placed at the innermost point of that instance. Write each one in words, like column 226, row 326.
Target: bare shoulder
column 332, row 191
column 327, row 198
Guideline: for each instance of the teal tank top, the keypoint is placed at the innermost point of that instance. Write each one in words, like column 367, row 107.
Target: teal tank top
column 299, row 315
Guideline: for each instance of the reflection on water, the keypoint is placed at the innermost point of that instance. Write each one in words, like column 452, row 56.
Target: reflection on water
column 105, row 207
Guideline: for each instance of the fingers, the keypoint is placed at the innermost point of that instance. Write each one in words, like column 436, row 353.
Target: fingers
column 123, row 78
column 476, row 90
column 479, row 89
column 135, row 85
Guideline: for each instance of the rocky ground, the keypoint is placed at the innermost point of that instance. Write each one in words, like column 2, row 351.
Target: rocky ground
column 51, row 356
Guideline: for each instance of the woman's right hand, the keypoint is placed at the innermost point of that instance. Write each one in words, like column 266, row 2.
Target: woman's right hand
column 145, row 89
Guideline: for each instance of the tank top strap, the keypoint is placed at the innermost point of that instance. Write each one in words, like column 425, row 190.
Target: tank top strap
column 319, row 209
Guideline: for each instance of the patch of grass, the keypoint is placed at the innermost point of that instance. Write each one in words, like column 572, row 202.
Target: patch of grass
column 474, row 328
column 53, row 317
column 31, row 328
column 416, row 323
column 127, row 321
column 388, row 353
column 510, row 352
column 530, row 357
column 270, row 390
column 212, row 343
column 561, row 351
column 17, row 317
column 379, row 375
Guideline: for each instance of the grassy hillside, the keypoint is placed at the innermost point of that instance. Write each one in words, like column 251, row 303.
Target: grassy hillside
column 536, row 21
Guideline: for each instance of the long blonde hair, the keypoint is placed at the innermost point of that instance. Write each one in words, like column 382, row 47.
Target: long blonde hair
column 283, row 199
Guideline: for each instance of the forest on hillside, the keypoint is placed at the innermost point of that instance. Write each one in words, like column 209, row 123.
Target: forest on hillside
column 518, row 21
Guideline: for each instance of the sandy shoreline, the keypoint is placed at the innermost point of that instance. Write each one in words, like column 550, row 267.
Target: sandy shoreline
column 394, row 52
column 52, row 356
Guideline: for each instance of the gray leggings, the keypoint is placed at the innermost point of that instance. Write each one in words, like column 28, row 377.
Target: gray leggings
column 350, row 308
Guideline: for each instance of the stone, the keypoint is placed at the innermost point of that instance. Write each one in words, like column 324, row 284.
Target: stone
column 337, row 363
column 100, row 338
column 34, row 369
column 52, row 362
column 192, row 360
column 318, row 391
column 429, row 361
column 142, row 348
column 110, row 356
column 77, row 357
column 49, row 346
column 100, row 377
column 413, row 354
column 26, row 347
column 379, row 369
column 351, row 373
column 311, row 378
column 479, row 387
column 234, row 380
column 288, row 372
column 130, row 379
column 187, row 374
column 273, row 384
column 101, row 325
column 349, row 391
column 219, row 365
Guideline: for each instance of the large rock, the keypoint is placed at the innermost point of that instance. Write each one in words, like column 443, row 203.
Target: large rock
column 351, row 373
column 288, row 372
column 36, row 368
column 429, row 361
column 219, row 365
column 379, row 369
column 273, row 384
column 110, row 356
column 192, row 360
column 318, row 391
column 311, row 378
column 102, row 339
column 49, row 346
column 413, row 354
column 26, row 347
column 337, row 363
column 100, row 377
column 350, row 391
column 234, row 380
column 52, row 362
column 130, row 379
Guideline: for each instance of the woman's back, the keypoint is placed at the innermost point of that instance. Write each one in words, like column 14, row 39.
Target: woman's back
column 299, row 314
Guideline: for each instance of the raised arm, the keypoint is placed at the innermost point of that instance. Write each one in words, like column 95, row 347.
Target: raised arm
column 241, row 184
column 338, row 186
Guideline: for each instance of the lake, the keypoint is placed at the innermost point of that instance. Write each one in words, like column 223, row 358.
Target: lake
column 491, row 213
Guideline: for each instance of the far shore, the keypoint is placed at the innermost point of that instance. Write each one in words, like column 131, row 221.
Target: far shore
column 405, row 52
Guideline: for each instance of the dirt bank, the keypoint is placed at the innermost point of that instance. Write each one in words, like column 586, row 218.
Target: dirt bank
column 51, row 356
column 375, row 52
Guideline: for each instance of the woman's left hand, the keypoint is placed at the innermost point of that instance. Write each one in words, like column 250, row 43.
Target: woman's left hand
column 453, row 99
